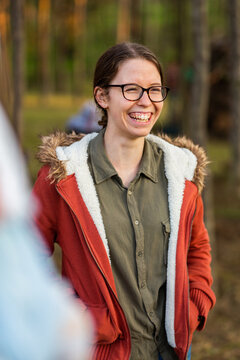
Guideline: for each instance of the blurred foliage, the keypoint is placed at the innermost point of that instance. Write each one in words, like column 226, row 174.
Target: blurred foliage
column 165, row 27
column 57, row 41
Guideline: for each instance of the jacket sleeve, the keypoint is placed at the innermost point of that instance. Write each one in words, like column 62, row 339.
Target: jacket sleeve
column 199, row 269
column 47, row 202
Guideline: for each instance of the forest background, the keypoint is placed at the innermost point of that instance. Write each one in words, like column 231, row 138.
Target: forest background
column 52, row 47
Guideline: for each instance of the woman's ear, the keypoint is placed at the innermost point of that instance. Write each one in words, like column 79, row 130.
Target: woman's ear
column 101, row 97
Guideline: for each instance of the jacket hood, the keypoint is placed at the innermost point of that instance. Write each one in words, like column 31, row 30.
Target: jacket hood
column 47, row 154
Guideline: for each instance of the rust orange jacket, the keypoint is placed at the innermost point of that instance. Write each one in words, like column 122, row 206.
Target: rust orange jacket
column 70, row 215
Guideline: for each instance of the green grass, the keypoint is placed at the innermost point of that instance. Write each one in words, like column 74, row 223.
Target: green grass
column 228, row 212
column 219, row 153
column 42, row 117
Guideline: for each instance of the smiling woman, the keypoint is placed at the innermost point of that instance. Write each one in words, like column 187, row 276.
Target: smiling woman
column 129, row 119
column 125, row 207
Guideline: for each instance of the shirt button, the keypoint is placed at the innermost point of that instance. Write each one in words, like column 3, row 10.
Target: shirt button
column 129, row 192
column 136, row 222
column 140, row 253
column 143, row 284
column 151, row 313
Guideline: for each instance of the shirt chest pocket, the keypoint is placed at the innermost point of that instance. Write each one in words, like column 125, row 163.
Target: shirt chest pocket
column 166, row 229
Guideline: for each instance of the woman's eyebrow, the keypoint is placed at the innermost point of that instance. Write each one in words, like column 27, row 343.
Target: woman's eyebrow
column 157, row 84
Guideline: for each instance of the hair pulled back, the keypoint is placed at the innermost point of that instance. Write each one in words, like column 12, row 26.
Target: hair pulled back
column 108, row 64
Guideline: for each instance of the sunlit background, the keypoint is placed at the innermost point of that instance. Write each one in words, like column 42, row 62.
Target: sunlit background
column 52, row 47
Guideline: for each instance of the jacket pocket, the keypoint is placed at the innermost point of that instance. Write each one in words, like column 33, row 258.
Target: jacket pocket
column 105, row 331
column 166, row 233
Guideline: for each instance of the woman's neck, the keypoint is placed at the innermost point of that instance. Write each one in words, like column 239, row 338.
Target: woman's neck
column 125, row 156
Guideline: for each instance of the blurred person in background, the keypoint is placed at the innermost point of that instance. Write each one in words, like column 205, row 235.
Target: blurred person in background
column 38, row 318
column 126, row 209
column 86, row 120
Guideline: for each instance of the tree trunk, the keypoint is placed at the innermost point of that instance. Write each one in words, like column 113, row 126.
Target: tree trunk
column 234, row 19
column 180, row 35
column 199, row 107
column 44, row 37
column 183, row 42
column 60, row 12
column 200, row 88
column 135, row 11
column 79, row 66
column 123, row 25
column 5, row 83
column 16, row 9
column 3, row 19
column 143, row 35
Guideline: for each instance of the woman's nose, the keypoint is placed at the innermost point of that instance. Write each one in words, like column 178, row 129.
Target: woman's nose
column 144, row 99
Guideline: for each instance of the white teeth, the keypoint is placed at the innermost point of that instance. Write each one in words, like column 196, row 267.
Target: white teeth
column 140, row 117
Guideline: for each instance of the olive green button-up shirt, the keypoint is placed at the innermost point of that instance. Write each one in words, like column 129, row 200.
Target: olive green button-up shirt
column 136, row 221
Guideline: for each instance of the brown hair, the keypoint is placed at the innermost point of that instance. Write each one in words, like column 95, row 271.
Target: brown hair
column 108, row 65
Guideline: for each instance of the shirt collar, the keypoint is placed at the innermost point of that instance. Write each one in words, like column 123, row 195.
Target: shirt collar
column 148, row 165
column 103, row 169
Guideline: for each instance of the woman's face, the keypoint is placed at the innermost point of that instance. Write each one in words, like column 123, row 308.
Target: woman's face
column 133, row 119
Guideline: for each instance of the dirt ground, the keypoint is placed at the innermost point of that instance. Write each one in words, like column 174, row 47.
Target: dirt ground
column 221, row 338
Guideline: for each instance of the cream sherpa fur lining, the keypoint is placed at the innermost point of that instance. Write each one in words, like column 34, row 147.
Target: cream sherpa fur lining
column 47, row 155
column 75, row 158
column 179, row 165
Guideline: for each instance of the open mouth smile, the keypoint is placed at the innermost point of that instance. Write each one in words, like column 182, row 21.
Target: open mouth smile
column 140, row 117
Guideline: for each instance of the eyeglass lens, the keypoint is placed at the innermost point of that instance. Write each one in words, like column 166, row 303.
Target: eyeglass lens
column 134, row 92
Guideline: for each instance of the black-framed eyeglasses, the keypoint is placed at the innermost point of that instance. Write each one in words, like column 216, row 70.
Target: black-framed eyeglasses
column 134, row 92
